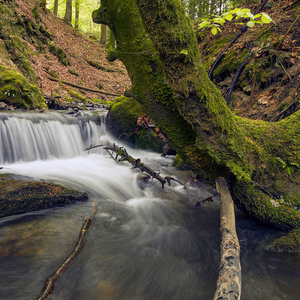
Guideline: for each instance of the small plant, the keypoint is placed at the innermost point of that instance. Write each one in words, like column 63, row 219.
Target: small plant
column 9, row 93
column 214, row 22
column 290, row 167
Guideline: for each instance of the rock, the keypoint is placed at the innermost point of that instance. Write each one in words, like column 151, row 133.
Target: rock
column 3, row 106
column 142, row 180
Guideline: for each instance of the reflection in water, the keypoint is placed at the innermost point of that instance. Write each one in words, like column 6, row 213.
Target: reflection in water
column 142, row 244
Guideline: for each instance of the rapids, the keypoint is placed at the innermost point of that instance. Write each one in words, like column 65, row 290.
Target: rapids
column 142, row 244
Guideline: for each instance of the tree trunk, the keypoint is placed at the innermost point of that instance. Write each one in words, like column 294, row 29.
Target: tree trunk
column 103, row 34
column 77, row 14
column 68, row 13
column 230, row 278
column 55, row 9
column 170, row 82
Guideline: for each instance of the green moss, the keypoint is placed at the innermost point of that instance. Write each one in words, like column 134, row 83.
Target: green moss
column 18, row 196
column 16, row 90
column 73, row 72
column 289, row 243
column 59, row 53
column 76, row 95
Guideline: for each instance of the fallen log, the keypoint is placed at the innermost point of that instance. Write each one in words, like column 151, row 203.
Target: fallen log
column 230, row 279
column 49, row 285
column 122, row 155
column 81, row 87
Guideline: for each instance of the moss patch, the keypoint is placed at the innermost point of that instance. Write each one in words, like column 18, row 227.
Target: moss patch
column 289, row 243
column 18, row 196
column 16, row 90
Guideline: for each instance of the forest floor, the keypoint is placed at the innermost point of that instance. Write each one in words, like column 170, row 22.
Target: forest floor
column 79, row 48
column 269, row 86
column 267, row 89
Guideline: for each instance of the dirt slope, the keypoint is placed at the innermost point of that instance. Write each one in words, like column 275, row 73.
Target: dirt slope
column 269, row 86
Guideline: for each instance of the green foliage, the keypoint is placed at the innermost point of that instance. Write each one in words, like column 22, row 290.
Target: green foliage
column 215, row 22
column 289, row 167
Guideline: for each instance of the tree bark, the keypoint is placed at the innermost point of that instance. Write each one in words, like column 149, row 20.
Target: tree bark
column 103, row 35
column 230, row 278
column 77, row 4
column 55, row 9
column 68, row 13
column 170, row 82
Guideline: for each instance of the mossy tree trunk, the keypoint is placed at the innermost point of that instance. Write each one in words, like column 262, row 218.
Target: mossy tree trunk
column 164, row 65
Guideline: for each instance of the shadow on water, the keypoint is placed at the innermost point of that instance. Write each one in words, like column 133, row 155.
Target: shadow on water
column 142, row 244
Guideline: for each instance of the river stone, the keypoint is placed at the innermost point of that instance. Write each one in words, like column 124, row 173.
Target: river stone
column 20, row 196
column 3, row 106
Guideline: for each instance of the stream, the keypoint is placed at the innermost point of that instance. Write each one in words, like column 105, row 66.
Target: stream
column 141, row 245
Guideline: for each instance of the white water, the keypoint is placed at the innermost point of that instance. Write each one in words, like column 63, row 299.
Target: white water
column 142, row 244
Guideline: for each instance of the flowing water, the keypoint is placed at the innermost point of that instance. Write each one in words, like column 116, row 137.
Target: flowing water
column 142, row 244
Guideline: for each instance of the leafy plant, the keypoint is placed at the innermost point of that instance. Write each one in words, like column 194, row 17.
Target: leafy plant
column 9, row 93
column 215, row 22
column 290, row 167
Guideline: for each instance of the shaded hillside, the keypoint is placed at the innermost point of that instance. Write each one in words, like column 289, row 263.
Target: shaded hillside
column 39, row 46
column 269, row 85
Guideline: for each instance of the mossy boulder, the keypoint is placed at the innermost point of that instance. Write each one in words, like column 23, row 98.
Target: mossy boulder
column 289, row 243
column 122, row 123
column 15, row 89
column 19, row 196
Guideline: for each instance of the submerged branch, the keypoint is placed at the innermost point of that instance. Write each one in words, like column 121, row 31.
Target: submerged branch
column 229, row 282
column 49, row 285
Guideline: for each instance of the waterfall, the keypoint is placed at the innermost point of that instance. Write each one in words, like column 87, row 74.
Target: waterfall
column 36, row 136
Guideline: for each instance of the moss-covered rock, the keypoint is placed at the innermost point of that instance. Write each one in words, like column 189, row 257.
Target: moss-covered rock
column 59, row 53
column 289, row 243
column 16, row 90
column 122, row 122
column 18, row 196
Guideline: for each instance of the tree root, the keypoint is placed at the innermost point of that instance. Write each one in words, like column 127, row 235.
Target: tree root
column 81, row 87
column 49, row 285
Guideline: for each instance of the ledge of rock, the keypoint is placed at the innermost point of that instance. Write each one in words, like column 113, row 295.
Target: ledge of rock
column 22, row 195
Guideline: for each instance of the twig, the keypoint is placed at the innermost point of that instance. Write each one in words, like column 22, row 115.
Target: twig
column 81, row 87
column 285, row 71
column 288, row 31
column 237, row 74
column 49, row 285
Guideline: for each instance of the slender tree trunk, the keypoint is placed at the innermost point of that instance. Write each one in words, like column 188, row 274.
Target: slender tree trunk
column 55, row 9
column 68, row 13
column 77, row 14
column 103, row 34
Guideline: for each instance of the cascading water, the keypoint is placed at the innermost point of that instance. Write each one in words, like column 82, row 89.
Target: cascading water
column 142, row 244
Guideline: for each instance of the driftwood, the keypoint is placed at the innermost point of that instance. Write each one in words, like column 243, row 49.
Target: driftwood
column 81, row 87
column 122, row 155
column 229, row 91
column 230, row 278
column 239, row 34
column 49, row 285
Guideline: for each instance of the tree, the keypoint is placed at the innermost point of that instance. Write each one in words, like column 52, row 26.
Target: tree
column 77, row 4
column 164, row 65
column 103, row 34
column 68, row 13
column 55, row 9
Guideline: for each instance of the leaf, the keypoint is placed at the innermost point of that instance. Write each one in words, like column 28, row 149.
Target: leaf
column 250, row 15
column 184, row 52
column 203, row 24
column 266, row 18
column 257, row 16
column 214, row 31
column 229, row 17
column 251, row 24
